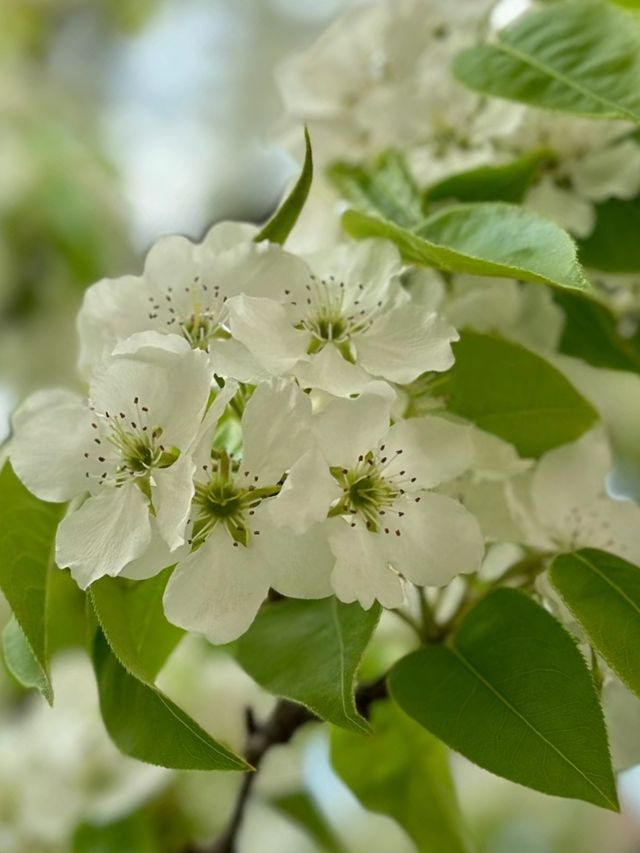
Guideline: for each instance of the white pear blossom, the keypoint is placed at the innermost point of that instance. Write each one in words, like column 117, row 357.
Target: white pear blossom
column 238, row 551
column 126, row 448
column 375, row 483
column 349, row 322
column 563, row 504
column 184, row 291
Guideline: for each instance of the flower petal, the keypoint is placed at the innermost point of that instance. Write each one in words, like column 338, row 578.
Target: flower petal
column 299, row 565
column 51, row 432
column 404, row 343
column 307, row 494
column 362, row 572
column 346, row 428
column 434, row 451
column 105, row 534
column 218, row 589
column 328, row 371
column 172, row 492
column 438, row 540
column 265, row 329
column 156, row 557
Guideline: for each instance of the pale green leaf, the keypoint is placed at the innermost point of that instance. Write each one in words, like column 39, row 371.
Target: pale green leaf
column 579, row 57
column 491, row 239
column 309, row 651
column 22, row 663
column 513, row 694
column 145, row 724
column 278, row 228
column 132, row 618
column 603, row 593
column 613, row 245
column 513, row 393
column 507, row 182
column 402, row 771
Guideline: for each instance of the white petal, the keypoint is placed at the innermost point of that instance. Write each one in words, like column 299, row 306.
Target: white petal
column 569, row 476
column 232, row 360
column 174, row 387
column 170, row 262
column 434, row 450
column 347, row 428
column 565, row 207
column 299, row 564
column 438, row 540
column 307, row 494
column 228, row 235
column 406, row 342
column 611, row 525
column 203, row 442
column 493, row 458
column 362, row 571
column 217, row 590
column 156, row 557
column 276, row 428
column 112, row 309
column 172, row 493
column 328, row 371
column 148, row 343
column 265, row 329
column 52, row 431
column 105, row 534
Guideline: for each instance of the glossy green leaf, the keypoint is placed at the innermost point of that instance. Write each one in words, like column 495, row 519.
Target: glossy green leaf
column 309, row 651
column 132, row 618
column 513, row 694
column 278, row 228
column 385, row 188
column 590, row 332
column 22, row 663
column 603, row 593
column 402, row 771
column 579, row 57
column 27, row 542
column 300, row 809
column 513, row 393
column 147, row 725
column 508, row 182
column 613, row 245
column 490, row 239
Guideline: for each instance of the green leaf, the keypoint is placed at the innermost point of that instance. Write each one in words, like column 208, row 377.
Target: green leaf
column 309, row 651
column 591, row 333
column 22, row 663
column 613, row 245
column 300, row 809
column 131, row 834
column 132, row 619
column 580, row 57
column 513, row 393
column 603, row 593
column 508, row 182
column 385, row 188
column 513, row 694
column 490, row 239
column 402, row 771
column 278, row 228
column 27, row 543
column 147, row 725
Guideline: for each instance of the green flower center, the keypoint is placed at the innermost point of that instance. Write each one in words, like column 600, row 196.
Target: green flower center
column 367, row 492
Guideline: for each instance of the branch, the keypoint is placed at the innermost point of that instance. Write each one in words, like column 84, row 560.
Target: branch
column 279, row 728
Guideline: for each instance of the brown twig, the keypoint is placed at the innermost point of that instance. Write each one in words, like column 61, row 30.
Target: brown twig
column 279, row 728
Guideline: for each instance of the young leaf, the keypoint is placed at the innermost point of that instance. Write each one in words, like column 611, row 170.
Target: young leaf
column 513, row 393
column 513, row 694
column 27, row 538
column 132, row 619
column 591, row 333
column 492, row 239
column 146, row 725
column 508, row 182
column 580, row 57
column 603, row 593
column 613, row 245
column 21, row 661
column 385, row 188
column 402, row 771
column 309, row 651
column 133, row 833
column 278, row 228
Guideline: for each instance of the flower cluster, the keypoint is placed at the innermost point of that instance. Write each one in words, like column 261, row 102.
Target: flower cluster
column 243, row 422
